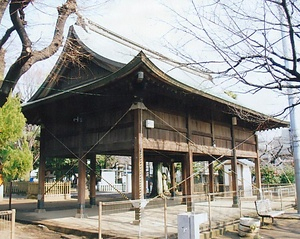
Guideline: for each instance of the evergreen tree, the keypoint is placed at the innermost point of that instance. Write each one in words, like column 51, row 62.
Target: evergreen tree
column 15, row 155
column 269, row 174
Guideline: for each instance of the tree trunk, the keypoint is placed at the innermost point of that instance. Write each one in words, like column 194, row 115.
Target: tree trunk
column 3, row 6
column 2, row 65
column 10, row 193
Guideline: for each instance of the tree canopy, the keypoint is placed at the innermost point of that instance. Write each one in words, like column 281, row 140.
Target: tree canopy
column 15, row 155
column 12, row 122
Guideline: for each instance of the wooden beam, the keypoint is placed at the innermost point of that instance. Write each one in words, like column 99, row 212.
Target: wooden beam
column 182, row 147
column 165, row 145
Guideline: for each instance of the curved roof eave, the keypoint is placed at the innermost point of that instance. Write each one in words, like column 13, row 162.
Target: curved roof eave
column 59, row 65
column 204, row 94
column 87, row 86
column 141, row 58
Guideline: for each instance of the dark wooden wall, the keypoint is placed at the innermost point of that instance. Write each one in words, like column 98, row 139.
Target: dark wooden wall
column 92, row 120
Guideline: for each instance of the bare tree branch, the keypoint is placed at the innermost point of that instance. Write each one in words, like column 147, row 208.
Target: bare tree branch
column 244, row 39
column 6, row 36
column 3, row 6
column 28, row 57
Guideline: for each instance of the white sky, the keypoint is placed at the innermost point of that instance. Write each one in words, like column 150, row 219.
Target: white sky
column 145, row 22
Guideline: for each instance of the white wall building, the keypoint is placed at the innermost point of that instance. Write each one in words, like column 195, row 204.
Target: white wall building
column 244, row 176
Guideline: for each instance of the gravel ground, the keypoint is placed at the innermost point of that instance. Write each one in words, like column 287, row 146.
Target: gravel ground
column 28, row 231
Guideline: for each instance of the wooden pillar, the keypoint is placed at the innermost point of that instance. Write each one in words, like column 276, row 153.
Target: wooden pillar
column 138, row 175
column 93, row 181
column 81, row 187
column 134, row 178
column 188, row 176
column 234, row 173
column 257, row 170
column 211, row 177
column 42, row 170
column 81, row 172
column 173, row 178
column 187, row 166
column 184, row 176
column 145, row 183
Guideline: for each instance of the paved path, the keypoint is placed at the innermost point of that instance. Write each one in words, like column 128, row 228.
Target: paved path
column 118, row 222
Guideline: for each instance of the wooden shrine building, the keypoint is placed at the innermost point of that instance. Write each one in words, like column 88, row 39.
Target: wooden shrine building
column 90, row 104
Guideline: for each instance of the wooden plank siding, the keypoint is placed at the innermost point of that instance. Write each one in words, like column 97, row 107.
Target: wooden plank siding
column 62, row 136
column 168, row 126
column 170, row 134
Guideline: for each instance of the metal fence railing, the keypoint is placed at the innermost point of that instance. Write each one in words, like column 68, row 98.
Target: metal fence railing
column 159, row 217
column 7, row 224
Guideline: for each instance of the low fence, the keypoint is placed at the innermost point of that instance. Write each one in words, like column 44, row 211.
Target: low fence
column 60, row 190
column 7, row 224
column 16, row 187
column 111, row 188
column 277, row 190
column 160, row 217
column 204, row 187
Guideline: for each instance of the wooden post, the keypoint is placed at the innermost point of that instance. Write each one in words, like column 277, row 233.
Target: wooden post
column 188, row 168
column 211, row 177
column 81, row 187
column 42, row 171
column 13, row 223
column 81, row 172
column 10, row 195
column 93, row 181
column 165, row 218
column 257, row 170
column 138, row 176
column 184, row 176
column 173, row 178
column 234, row 172
column 100, row 221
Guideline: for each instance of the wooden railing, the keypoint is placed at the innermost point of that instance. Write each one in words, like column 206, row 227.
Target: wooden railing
column 16, row 188
column 59, row 188
column 7, row 224
column 55, row 189
column 111, row 188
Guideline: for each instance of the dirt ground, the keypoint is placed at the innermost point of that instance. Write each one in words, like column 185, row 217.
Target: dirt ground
column 281, row 229
column 28, row 231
